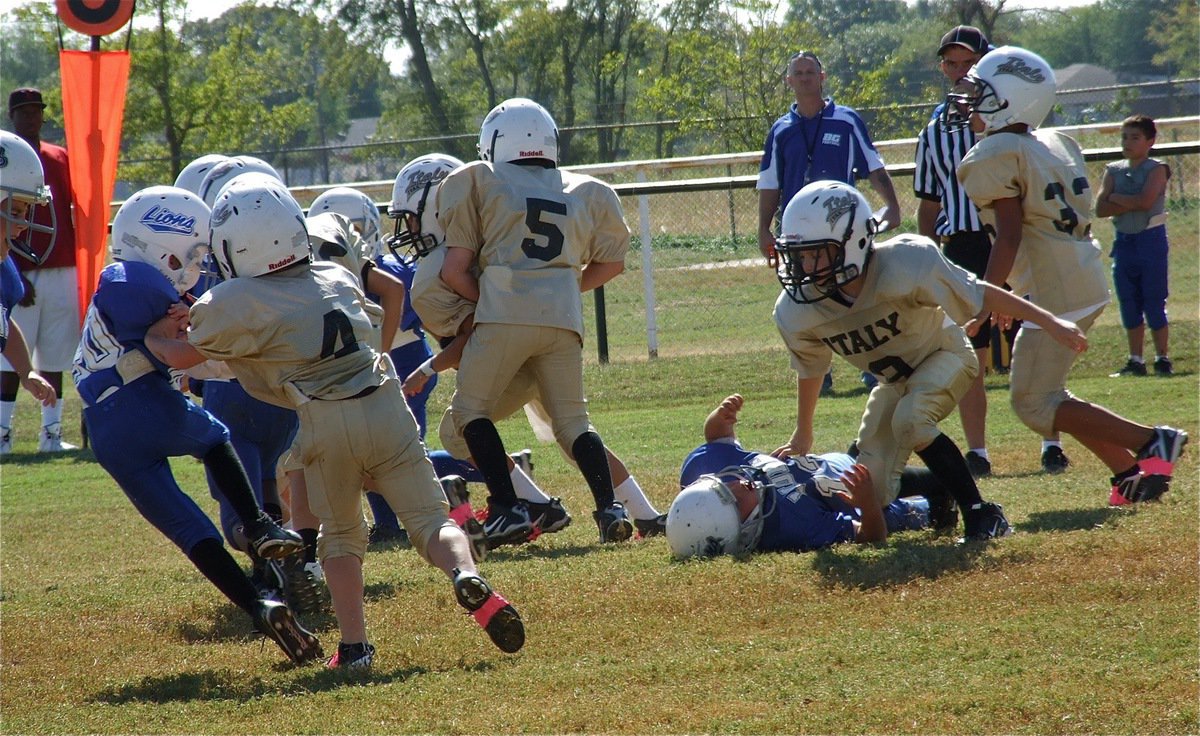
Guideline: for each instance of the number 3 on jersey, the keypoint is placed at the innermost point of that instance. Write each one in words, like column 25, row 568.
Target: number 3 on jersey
column 535, row 208
column 1070, row 219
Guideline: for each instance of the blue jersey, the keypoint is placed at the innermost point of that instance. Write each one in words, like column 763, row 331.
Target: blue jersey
column 834, row 145
column 12, row 290
column 800, row 514
column 404, row 271
column 112, row 351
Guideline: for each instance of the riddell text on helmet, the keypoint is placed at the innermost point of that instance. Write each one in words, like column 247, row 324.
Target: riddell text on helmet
column 532, row 154
column 280, row 264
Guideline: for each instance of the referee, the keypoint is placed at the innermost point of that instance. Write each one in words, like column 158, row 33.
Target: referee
column 949, row 217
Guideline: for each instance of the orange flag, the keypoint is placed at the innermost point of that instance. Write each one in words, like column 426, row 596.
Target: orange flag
column 93, row 95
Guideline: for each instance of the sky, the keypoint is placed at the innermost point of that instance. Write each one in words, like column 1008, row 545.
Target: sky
column 396, row 54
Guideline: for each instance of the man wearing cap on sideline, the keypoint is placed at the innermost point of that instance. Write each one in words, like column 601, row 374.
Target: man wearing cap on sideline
column 816, row 139
column 947, row 215
column 49, row 314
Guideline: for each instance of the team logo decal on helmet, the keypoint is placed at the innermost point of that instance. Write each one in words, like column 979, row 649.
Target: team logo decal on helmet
column 1017, row 67
column 164, row 227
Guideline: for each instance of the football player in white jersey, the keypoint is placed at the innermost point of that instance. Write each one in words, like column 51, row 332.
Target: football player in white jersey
column 538, row 236
column 893, row 309
column 296, row 334
column 1032, row 184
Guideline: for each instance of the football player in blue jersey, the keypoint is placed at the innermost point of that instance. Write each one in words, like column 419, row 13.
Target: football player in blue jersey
column 137, row 418
column 736, row 500
column 22, row 189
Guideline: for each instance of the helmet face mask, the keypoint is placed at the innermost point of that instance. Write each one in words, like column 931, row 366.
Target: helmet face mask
column 164, row 227
column 22, row 181
column 718, row 514
column 1008, row 86
column 827, row 235
column 414, row 206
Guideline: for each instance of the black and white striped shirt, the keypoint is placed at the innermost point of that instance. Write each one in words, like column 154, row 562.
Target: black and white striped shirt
column 938, row 152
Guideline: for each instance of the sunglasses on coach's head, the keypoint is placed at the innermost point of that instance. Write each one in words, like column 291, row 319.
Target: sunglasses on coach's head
column 806, row 55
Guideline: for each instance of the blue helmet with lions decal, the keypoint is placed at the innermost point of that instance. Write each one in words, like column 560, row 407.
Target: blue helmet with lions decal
column 518, row 129
column 826, row 236
column 165, row 227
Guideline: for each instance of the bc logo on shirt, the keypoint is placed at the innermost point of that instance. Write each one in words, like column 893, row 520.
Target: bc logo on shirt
column 831, row 139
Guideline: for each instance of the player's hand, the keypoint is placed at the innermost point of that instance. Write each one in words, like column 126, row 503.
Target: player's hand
column 1069, row 335
column 859, row 486
column 30, row 294
column 974, row 324
column 39, row 388
column 415, row 383
column 169, row 327
column 890, row 220
column 799, row 444
column 179, row 311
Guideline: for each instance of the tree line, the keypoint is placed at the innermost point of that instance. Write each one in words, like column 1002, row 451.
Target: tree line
column 292, row 74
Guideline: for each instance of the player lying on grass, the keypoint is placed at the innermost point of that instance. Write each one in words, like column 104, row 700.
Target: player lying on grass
column 736, row 500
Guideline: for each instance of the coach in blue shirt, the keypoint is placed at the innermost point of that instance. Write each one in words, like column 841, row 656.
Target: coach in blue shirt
column 814, row 140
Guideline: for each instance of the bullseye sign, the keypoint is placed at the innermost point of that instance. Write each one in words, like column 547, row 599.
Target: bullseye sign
column 95, row 17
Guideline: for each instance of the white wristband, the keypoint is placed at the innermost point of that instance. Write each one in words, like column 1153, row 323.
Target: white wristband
column 427, row 367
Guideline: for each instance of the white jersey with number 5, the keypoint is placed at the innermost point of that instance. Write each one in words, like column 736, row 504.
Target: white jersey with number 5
column 538, row 230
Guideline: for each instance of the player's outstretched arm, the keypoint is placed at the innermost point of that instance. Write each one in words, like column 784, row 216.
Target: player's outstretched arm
column 721, row 421
column 808, row 390
column 17, row 353
column 167, row 341
column 391, row 297
column 1067, row 333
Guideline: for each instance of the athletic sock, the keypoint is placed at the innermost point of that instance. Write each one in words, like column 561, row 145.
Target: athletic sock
column 52, row 415
column 310, row 543
column 1047, row 444
column 7, row 407
column 589, row 454
column 943, row 457
column 525, row 488
column 230, row 477
column 487, row 450
column 980, row 451
column 634, row 498
column 214, row 562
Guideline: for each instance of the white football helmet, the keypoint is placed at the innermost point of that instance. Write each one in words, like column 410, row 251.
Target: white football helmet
column 22, row 180
column 415, row 193
column 225, row 171
column 1008, row 85
column 518, row 129
column 257, row 228
column 704, row 520
column 357, row 208
column 830, row 219
column 193, row 174
column 165, row 227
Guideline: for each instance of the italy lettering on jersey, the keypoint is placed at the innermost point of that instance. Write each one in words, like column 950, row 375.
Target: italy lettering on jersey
column 112, row 351
column 292, row 336
column 910, row 295
column 1058, row 264
column 533, row 230
column 12, row 290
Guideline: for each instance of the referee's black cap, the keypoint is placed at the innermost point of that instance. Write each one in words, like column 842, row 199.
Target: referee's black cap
column 969, row 37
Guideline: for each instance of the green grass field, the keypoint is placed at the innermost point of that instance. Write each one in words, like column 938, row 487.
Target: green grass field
column 1085, row 621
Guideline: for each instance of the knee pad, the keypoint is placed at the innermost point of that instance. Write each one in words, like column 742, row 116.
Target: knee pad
column 1037, row 411
column 340, row 542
